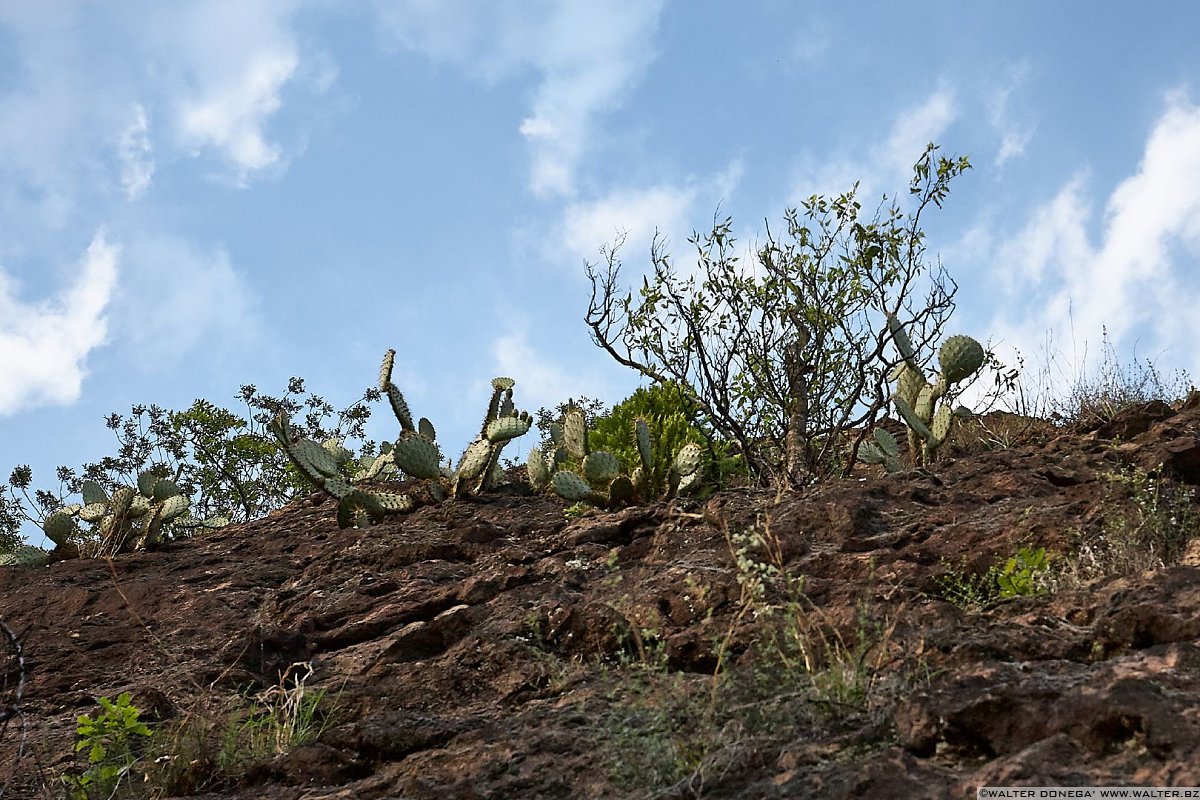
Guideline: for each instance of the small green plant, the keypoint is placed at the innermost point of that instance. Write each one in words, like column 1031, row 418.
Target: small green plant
column 965, row 589
column 673, row 418
column 283, row 717
column 1027, row 573
column 578, row 473
column 114, row 742
column 577, row 510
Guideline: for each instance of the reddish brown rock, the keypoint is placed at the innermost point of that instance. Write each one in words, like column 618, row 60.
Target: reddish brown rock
column 492, row 648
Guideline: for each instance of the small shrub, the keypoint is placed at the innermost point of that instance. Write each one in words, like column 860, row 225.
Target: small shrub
column 1027, row 573
column 672, row 732
column 784, row 350
column 115, row 742
column 673, row 420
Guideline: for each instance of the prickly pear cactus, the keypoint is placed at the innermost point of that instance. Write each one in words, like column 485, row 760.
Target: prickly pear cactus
column 595, row 476
column 884, row 450
column 924, row 406
column 25, row 556
column 415, row 453
column 356, row 507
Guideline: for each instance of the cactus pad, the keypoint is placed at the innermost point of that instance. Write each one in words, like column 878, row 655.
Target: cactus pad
column 884, row 450
column 338, row 486
column 417, row 456
column 960, row 357
column 340, row 454
column 425, row 428
column 600, row 467
column 940, row 427
column 60, row 527
column 389, row 501
column 316, row 457
column 689, row 483
column 385, row 369
column 571, row 487
column 886, row 442
column 93, row 512
column 164, row 489
column 146, row 481
column 475, row 459
column 25, row 556
column 915, row 422
column 620, row 490
column 689, row 458
column 506, row 428
column 903, row 344
column 399, row 407
column 93, row 493
column 174, row 507
column 575, row 434
column 641, row 436
column 538, row 470
column 909, row 383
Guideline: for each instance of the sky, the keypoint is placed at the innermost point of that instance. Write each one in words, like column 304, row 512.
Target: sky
column 203, row 195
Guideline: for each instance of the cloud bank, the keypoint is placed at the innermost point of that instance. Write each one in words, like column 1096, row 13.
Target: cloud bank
column 44, row 345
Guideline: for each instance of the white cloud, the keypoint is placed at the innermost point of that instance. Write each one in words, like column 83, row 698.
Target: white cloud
column 588, row 55
column 231, row 116
column 136, row 154
column 1014, row 138
column 886, row 167
column 633, row 213
column 178, row 299
column 914, row 128
column 43, row 346
column 1137, row 277
column 673, row 210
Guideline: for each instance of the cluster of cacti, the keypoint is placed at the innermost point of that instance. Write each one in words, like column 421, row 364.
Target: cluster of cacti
column 580, row 474
column 924, row 405
column 321, row 468
column 131, row 519
column 415, row 453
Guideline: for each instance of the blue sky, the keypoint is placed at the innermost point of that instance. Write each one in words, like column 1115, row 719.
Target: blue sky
column 197, row 196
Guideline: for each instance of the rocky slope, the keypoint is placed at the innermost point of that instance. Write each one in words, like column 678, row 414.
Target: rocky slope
column 494, row 648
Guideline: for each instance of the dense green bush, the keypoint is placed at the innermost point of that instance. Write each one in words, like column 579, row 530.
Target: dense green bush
column 674, row 419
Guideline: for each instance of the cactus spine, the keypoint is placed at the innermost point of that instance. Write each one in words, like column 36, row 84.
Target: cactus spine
column 924, row 405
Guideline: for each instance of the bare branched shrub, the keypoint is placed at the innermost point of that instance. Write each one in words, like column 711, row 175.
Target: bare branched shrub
column 787, row 355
